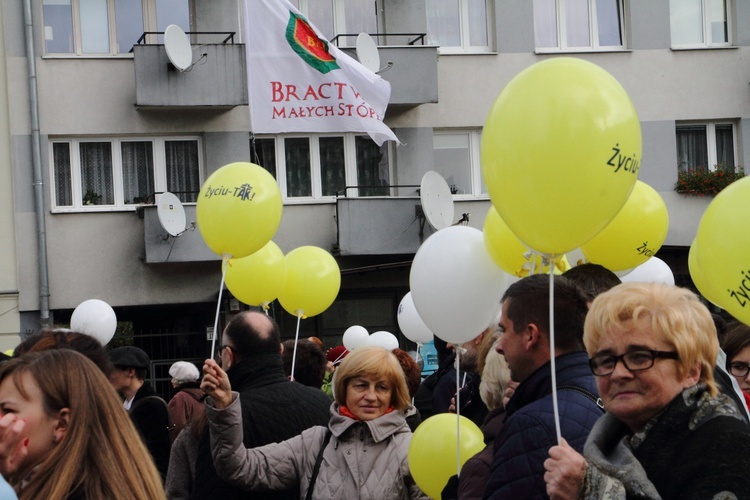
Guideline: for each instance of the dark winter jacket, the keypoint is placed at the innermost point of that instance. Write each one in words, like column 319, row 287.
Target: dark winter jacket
column 529, row 430
column 150, row 415
column 274, row 409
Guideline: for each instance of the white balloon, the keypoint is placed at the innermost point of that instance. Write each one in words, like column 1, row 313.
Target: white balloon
column 455, row 285
column 412, row 326
column 384, row 339
column 355, row 336
column 654, row 270
column 95, row 318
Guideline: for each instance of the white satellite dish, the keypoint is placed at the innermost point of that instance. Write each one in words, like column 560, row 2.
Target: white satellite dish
column 437, row 200
column 367, row 52
column 171, row 214
column 178, row 48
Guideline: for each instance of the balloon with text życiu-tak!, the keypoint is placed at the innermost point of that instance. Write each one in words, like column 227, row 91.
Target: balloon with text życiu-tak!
column 238, row 209
column 561, row 151
column 634, row 235
column 722, row 252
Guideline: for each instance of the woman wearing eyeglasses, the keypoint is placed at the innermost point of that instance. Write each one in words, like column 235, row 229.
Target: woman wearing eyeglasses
column 667, row 432
column 737, row 347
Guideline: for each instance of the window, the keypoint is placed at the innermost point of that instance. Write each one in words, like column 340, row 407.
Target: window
column 578, row 25
column 321, row 166
column 706, row 146
column 459, row 25
column 106, row 27
column 699, row 23
column 106, row 174
column 335, row 17
column 457, row 160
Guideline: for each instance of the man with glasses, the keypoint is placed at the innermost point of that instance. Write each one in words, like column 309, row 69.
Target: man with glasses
column 668, row 432
column 521, row 447
column 273, row 408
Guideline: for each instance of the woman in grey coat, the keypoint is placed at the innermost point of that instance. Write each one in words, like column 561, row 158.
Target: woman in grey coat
column 362, row 454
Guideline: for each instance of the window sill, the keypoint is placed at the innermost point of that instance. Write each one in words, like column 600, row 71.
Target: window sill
column 704, row 47
column 467, row 52
column 96, row 209
column 583, row 50
column 87, row 56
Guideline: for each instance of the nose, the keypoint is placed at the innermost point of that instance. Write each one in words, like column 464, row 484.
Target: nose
column 620, row 371
column 370, row 393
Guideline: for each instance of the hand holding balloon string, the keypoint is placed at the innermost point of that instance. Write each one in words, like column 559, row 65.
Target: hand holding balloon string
column 216, row 384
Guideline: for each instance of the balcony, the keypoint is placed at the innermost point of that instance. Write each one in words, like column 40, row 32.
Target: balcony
column 217, row 79
column 411, row 68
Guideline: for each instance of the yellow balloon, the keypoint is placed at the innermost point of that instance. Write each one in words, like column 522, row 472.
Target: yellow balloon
column 699, row 279
column 257, row 279
column 512, row 256
column 634, row 235
column 432, row 451
column 313, row 280
column 239, row 209
column 722, row 252
column 562, row 142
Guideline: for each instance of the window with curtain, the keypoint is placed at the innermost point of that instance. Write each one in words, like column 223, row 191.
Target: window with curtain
column 705, row 146
column 117, row 174
column 578, row 25
column 86, row 27
column 699, row 23
column 459, row 25
column 320, row 166
column 336, row 17
column 456, row 155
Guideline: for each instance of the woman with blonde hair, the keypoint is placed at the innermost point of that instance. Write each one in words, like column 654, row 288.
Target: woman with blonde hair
column 64, row 433
column 361, row 454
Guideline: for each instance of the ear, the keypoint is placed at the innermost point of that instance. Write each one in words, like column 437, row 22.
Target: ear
column 131, row 372
column 692, row 376
column 532, row 337
column 281, row 348
column 61, row 426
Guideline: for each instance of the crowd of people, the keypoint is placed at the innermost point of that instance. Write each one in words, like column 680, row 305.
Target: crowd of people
column 648, row 399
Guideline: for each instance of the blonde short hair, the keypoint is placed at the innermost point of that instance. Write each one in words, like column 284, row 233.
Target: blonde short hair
column 676, row 316
column 372, row 361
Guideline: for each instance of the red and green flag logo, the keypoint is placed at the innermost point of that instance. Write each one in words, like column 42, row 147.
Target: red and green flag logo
column 308, row 45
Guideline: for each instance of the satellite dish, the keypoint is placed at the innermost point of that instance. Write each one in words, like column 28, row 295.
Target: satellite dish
column 367, row 52
column 171, row 214
column 437, row 200
column 178, row 48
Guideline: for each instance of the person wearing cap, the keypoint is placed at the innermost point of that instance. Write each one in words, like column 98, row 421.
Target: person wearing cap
column 334, row 357
column 187, row 402
column 147, row 410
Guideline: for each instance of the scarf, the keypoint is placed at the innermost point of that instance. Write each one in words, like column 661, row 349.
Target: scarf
column 343, row 410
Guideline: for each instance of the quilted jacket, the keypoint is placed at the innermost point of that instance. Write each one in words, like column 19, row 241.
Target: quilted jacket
column 366, row 460
column 529, row 430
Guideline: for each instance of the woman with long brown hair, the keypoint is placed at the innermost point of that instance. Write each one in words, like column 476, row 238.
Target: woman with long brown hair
column 64, row 433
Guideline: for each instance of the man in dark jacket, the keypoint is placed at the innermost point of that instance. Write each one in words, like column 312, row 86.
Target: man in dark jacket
column 529, row 431
column 273, row 408
column 147, row 410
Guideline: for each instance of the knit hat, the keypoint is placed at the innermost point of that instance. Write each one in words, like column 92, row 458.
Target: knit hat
column 184, row 371
column 336, row 354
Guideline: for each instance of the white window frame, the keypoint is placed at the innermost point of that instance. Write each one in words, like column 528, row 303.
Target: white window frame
column 465, row 34
column 562, row 32
column 711, row 148
column 339, row 19
column 475, row 167
column 706, row 29
column 350, row 166
column 149, row 24
column 160, row 171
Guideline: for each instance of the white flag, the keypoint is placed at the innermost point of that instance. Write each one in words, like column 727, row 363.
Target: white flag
column 298, row 82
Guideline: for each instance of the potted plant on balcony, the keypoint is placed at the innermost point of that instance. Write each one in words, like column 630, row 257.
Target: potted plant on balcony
column 704, row 182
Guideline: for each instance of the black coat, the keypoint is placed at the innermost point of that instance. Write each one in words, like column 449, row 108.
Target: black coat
column 273, row 409
column 150, row 415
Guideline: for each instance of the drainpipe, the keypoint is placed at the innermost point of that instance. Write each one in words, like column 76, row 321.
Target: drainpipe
column 36, row 160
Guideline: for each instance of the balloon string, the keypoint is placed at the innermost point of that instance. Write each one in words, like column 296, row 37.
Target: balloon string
column 458, row 415
column 552, row 351
column 294, row 352
column 419, row 346
column 224, row 265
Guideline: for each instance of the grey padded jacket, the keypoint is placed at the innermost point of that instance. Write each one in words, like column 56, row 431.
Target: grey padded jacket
column 365, row 460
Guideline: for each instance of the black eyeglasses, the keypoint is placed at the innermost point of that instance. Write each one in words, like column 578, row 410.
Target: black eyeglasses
column 635, row 361
column 739, row 370
column 220, row 349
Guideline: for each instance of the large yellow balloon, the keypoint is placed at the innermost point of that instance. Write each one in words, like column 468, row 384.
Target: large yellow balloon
column 239, row 209
column 634, row 235
column 701, row 282
column 561, row 150
column 723, row 250
column 313, row 280
column 257, row 279
column 432, row 451
column 512, row 256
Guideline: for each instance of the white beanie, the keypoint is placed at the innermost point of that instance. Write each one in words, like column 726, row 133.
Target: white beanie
column 182, row 371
